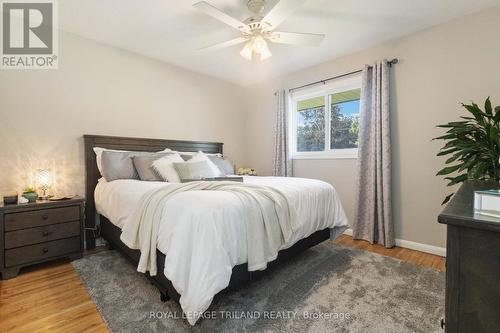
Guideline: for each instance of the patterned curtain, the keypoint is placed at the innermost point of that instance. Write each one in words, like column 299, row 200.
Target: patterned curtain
column 282, row 164
column 374, row 208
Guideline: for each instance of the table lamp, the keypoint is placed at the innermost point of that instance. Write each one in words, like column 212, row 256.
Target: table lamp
column 44, row 179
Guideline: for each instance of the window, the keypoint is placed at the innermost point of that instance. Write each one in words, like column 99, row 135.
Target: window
column 325, row 120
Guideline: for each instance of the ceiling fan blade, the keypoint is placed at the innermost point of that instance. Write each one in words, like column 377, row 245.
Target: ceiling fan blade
column 221, row 16
column 280, row 12
column 295, row 38
column 222, row 45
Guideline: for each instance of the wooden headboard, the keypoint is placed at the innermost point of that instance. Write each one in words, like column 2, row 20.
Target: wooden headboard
column 92, row 174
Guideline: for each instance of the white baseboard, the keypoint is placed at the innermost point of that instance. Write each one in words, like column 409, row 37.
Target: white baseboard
column 440, row 251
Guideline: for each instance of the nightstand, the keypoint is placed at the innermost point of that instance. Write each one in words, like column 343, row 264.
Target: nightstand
column 37, row 232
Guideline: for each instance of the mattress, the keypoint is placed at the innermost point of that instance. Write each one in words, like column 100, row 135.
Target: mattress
column 203, row 233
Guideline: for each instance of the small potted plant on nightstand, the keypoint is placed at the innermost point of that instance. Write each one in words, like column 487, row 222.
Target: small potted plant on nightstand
column 30, row 194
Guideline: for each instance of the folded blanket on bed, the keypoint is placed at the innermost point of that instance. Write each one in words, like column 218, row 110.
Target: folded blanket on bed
column 269, row 218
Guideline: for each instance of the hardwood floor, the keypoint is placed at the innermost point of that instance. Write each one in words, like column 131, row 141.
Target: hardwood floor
column 52, row 298
column 48, row 298
column 411, row 256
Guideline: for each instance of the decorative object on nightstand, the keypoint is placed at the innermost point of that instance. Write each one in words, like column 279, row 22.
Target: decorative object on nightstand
column 41, row 231
column 10, row 198
column 247, row 172
column 22, row 200
column 30, row 194
column 44, row 179
column 61, row 198
column 487, row 202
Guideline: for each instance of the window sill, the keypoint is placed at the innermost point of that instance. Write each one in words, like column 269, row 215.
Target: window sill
column 325, row 157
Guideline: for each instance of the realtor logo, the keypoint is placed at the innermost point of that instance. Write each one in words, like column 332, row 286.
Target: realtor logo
column 29, row 35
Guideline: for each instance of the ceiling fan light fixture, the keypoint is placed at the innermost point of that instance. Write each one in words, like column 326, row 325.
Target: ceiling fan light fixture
column 258, row 28
column 260, row 47
column 247, row 51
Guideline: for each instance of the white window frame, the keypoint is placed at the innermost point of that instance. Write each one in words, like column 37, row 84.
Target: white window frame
column 326, row 90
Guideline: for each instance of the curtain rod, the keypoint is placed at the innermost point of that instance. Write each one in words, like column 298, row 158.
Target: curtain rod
column 392, row 62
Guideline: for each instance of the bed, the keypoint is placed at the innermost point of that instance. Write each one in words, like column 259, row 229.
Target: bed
column 211, row 239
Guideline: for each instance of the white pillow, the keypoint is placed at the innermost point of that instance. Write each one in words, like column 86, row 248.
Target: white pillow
column 165, row 167
column 98, row 154
column 201, row 156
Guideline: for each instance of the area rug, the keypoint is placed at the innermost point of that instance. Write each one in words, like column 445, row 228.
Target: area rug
column 327, row 288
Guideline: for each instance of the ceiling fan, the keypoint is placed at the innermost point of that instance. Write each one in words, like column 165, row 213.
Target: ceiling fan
column 256, row 29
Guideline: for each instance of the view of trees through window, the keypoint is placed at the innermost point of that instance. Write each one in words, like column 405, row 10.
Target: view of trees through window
column 311, row 124
column 344, row 118
column 344, row 122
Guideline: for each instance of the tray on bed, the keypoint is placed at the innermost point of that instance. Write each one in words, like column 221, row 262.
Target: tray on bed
column 215, row 179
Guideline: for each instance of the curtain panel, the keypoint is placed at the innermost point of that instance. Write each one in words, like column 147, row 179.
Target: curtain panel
column 282, row 163
column 374, row 207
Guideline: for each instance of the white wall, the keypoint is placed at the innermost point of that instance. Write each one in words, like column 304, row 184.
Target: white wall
column 102, row 90
column 439, row 68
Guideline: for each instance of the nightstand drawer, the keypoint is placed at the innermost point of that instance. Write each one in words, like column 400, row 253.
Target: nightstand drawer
column 26, row 254
column 41, row 234
column 15, row 221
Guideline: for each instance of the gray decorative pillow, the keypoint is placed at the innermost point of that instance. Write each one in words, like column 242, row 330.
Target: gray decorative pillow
column 193, row 170
column 144, row 166
column 225, row 166
column 186, row 157
column 118, row 165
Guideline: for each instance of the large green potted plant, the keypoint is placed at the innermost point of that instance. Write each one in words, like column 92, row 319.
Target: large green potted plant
column 473, row 146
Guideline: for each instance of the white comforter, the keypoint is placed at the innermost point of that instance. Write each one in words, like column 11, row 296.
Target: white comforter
column 202, row 233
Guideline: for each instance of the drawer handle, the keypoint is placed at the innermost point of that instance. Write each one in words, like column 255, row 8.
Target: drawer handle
column 45, row 233
column 45, row 217
column 45, row 250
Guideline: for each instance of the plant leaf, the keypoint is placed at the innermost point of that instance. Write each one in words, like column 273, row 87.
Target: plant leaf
column 468, row 163
column 476, row 112
column 453, row 124
column 497, row 114
column 493, row 134
column 453, row 158
column 445, row 137
column 457, row 180
column 448, row 170
column 446, row 152
column 448, row 197
column 487, row 106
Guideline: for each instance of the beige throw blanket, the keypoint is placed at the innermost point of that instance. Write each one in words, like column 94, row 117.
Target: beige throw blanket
column 269, row 218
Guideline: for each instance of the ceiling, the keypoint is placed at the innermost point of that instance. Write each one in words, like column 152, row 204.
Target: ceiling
column 172, row 31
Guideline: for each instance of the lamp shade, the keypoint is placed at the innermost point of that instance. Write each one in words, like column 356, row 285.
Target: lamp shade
column 246, row 52
column 265, row 52
column 44, row 179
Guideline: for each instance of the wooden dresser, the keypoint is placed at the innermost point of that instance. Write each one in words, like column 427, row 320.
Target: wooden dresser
column 38, row 232
column 472, row 264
